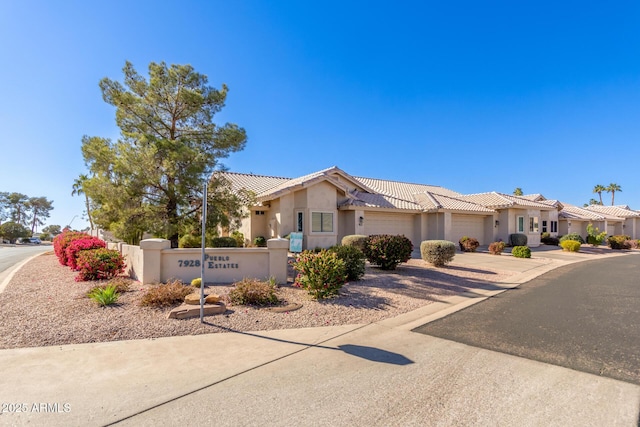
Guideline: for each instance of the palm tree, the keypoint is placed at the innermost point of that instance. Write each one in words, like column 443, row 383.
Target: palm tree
column 517, row 192
column 612, row 188
column 599, row 189
column 78, row 184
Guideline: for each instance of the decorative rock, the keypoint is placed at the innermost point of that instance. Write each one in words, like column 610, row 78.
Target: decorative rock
column 284, row 308
column 187, row 311
column 192, row 299
column 211, row 299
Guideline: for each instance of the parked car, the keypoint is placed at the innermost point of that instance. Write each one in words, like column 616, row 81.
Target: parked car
column 35, row 240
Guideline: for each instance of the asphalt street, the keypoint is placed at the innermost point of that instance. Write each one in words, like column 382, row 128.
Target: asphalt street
column 583, row 316
column 12, row 255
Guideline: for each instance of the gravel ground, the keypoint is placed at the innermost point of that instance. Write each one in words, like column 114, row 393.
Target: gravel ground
column 43, row 305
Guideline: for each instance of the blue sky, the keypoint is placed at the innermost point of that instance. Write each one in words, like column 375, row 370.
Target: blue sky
column 472, row 96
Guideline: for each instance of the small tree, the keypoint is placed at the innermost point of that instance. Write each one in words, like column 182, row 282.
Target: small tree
column 594, row 236
column 518, row 192
column 12, row 231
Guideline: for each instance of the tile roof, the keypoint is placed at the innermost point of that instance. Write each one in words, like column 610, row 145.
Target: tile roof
column 403, row 190
column 431, row 201
column 255, row 183
column 499, row 200
column 575, row 212
column 620, row 211
column 371, row 200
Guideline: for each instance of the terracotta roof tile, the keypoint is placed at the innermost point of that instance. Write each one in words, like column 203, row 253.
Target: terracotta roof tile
column 620, row 211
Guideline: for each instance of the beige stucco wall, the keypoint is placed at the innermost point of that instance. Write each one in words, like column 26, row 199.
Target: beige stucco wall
column 155, row 261
column 321, row 197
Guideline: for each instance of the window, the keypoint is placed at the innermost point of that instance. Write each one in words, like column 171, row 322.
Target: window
column 554, row 226
column 321, row 222
column 533, row 224
column 544, row 226
column 259, row 212
column 520, row 224
column 300, row 223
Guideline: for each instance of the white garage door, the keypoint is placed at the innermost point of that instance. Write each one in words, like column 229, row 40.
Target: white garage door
column 388, row 223
column 611, row 229
column 467, row 225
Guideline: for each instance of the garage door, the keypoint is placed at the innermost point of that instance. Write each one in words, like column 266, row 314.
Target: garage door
column 467, row 225
column 388, row 223
column 611, row 229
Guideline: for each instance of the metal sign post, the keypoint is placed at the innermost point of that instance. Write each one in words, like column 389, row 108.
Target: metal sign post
column 204, row 227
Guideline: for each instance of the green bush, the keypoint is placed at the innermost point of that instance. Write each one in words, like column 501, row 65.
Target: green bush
column 165, row 294
column 572, row 236
column 496, row 248
column 594, row 236
column 104, row 295
column 387, row 251
column 357, row 240
column 570, row 245
column 521, row 252
column 321, row 274
column 239, row 238
column 517, row 239
column 190, row 241
column 619, row 241
column 353, row 260
column 437, row 252
column 253, row 292
column 468, row 244
column 260, row 241
column 222, row 242
column 197, row 282
column 97, row 264
column 549, row 240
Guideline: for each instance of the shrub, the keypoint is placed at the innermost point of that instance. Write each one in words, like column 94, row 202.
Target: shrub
column 437, row 252
column 165, row 295
column 634, row 244
column 97, row 264
column 260, row 241
column 468, row 244
column 353, row 260
column 82, row 244
column 197, row 282
column 549, row 240
column 572, row 236
column 321, row 274
column 63, row 240
column 496, row 248
column 517, row 239
column 521, row 252
column 619, row 241
column 595, row 237
column 223, row 242
column 104, row 295
column 388, row 251
column 357, row 240
column 253, row 291
column 570, row 245
column 239, row 238
column 190, row 241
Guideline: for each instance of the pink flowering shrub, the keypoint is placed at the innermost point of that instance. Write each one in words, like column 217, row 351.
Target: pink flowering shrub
column 98, row 264
column 83, row 244
column 63, row 240
column 321, row 274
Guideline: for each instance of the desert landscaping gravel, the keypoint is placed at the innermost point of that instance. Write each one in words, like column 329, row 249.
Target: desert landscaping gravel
column 43, row 305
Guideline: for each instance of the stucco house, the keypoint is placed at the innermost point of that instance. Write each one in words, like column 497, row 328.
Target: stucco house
column 574, row 219
column 628, row 222
column 330, row 204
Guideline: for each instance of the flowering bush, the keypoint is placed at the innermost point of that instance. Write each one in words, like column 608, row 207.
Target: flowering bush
column 322, row 274
column 619, row 241
column 63, row 240
column 387, row 251
column 97, row 264
column 81, row 244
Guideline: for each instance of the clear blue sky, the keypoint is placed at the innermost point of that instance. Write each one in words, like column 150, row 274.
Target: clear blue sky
column 472, row 96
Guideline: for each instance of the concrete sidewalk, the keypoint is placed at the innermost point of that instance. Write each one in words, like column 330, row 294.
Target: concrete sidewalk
column 377, row 374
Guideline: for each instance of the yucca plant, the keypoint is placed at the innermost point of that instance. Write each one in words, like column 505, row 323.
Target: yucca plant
column 104, row 295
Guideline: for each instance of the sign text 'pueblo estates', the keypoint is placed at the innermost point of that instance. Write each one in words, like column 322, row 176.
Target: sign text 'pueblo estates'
column 211, row 261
